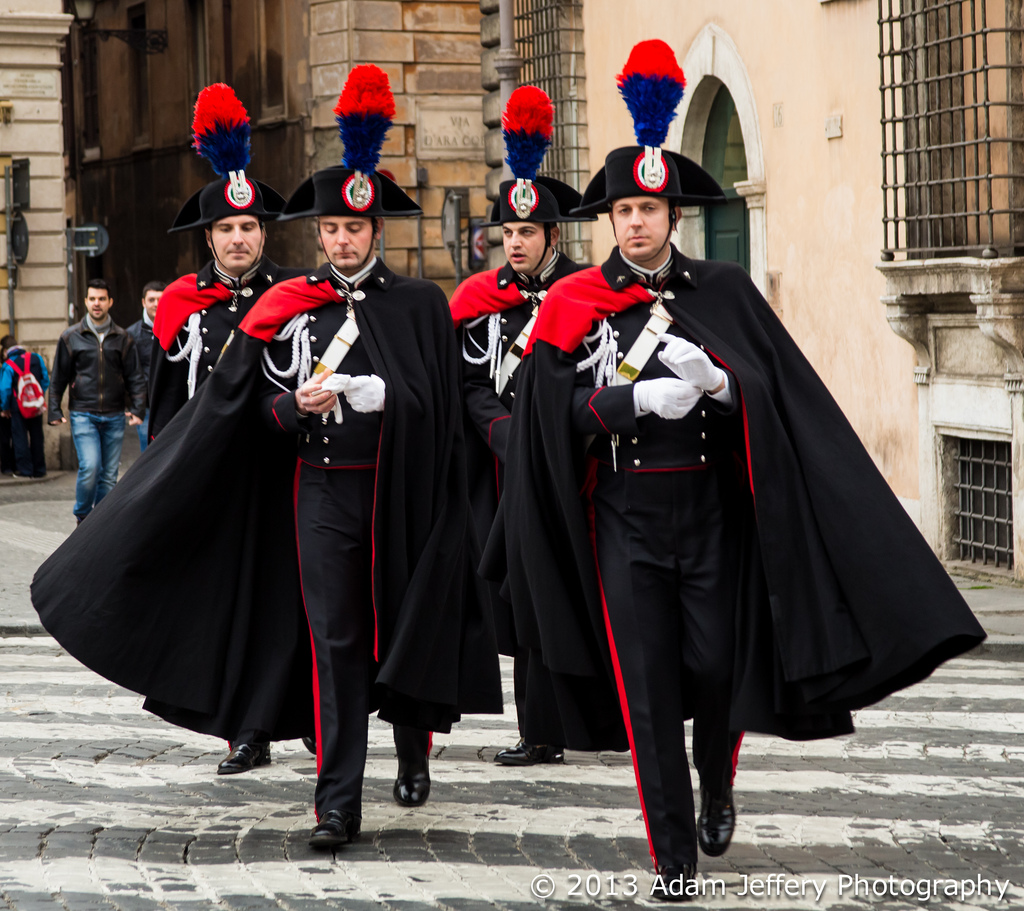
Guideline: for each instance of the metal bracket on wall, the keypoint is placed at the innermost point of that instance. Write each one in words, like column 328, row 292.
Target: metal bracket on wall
column 149, row 41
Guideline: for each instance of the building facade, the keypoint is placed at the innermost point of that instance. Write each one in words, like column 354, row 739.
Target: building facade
column 32, row 34
column 868, row 219
column 130, row 164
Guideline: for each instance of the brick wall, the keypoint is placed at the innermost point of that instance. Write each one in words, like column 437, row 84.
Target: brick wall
column 431, row 53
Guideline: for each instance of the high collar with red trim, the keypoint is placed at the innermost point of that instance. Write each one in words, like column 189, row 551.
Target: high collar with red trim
column 620, row 274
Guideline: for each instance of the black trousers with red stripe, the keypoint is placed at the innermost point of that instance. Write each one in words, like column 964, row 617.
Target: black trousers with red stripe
column 334, row 519
column 667, row 557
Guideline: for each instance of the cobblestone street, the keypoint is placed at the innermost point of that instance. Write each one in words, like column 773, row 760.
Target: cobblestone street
column 104, row 806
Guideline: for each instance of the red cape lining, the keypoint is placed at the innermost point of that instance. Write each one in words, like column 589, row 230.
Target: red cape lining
column 181, row 298
column 279, row 304
column 479, row 294
column 575, row 302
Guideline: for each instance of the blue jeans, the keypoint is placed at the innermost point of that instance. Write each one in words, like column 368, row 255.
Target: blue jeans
column 143, row 430
column 97, row 439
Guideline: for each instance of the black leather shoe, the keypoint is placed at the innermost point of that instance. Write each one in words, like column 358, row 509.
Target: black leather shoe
column 530, row 754
column 716, row 822
column 244, row 758
column 412, row 790
column 310, row 744
column 673, row 884
column 336, row 827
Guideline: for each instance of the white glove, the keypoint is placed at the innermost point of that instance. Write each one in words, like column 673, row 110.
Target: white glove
column 689, row 363
column 336, row 383
column 667, row 398
column 365, row 393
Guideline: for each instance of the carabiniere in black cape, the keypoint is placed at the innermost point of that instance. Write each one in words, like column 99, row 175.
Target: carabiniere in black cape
column 171, row 600
column 841, row 600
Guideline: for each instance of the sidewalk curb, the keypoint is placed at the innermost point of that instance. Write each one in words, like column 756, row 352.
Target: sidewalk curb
column 8, row 481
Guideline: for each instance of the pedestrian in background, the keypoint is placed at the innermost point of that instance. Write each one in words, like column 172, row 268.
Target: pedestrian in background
column 99, row 363
column 6, row 443
column 141, row 332
column 23, row 383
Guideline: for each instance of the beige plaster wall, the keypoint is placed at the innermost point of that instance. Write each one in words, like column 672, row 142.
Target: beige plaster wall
column 823, row 206
column 31, row 32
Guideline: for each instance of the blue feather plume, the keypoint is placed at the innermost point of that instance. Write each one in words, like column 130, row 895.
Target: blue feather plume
column 652, row 102
column 363, row 137
column 524, row 152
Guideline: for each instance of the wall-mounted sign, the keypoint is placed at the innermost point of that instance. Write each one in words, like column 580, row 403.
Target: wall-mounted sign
column 28, row 83
column 450, row 129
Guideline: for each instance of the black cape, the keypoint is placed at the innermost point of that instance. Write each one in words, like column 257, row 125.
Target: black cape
column 487, row 413
column 205, row 579
column 841, row 600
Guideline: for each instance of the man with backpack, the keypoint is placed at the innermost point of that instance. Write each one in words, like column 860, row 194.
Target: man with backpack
column 23, row 384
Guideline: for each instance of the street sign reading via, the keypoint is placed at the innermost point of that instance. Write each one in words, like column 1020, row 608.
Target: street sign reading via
column 91, row 239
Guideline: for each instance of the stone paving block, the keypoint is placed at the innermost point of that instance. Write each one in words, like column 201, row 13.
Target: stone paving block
column 32, row 901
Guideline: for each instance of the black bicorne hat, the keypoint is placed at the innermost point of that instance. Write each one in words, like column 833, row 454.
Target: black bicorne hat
column 679, row 180
column 527, row 124
column 365, row 111
column 543, row 200
column 221, row 134
column 652, row 85
column 344, row 191
column 214, row 201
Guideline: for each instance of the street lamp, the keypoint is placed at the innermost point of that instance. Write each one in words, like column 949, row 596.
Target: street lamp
column 148, row 40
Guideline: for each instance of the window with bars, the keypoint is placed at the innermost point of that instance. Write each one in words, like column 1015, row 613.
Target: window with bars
column 549, row 38
column 952, row 84
column 984, row 514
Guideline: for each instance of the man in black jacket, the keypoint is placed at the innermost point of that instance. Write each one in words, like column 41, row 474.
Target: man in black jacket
column 99, row 361
column 496, row 310
column 142, row 332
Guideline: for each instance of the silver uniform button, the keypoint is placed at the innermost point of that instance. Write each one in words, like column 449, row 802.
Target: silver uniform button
column 504, row 338
column 327, row 461
column 210, row 369
column 703, row 414
column 636, row 462
column 512, row 394
column 621, row 355
column 703, row 436
column 634, row 441
column 503, row 321
column 247, row 292
column 206, row 351
column 686, row 275
column 202, row 313
column 312, row 338
column 703, row 459
column 205, row 330
column 358, row 295
column 668, row 295
column 312, row 319
column 326, row 439
column 615, row 333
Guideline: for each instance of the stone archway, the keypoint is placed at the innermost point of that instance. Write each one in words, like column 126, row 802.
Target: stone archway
column 711, row 62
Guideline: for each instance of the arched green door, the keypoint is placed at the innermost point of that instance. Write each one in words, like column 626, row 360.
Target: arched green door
column 726, row 228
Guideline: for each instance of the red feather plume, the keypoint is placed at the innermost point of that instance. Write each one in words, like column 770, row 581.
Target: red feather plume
column 218, row 107
column 529, row 110
column 367, row 91
column 652, row 58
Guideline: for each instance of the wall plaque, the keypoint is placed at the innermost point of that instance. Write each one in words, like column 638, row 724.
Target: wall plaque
column 28, row 83
column 450, row 129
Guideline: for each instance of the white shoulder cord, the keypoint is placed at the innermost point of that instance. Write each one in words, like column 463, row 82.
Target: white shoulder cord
column 493, row 332
column 301, row 364
column 192, row 349
column 602, row 358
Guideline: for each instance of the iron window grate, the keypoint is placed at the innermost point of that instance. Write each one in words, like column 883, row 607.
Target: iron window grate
column 984, row 517
column 549, row 38
column 952, row 84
